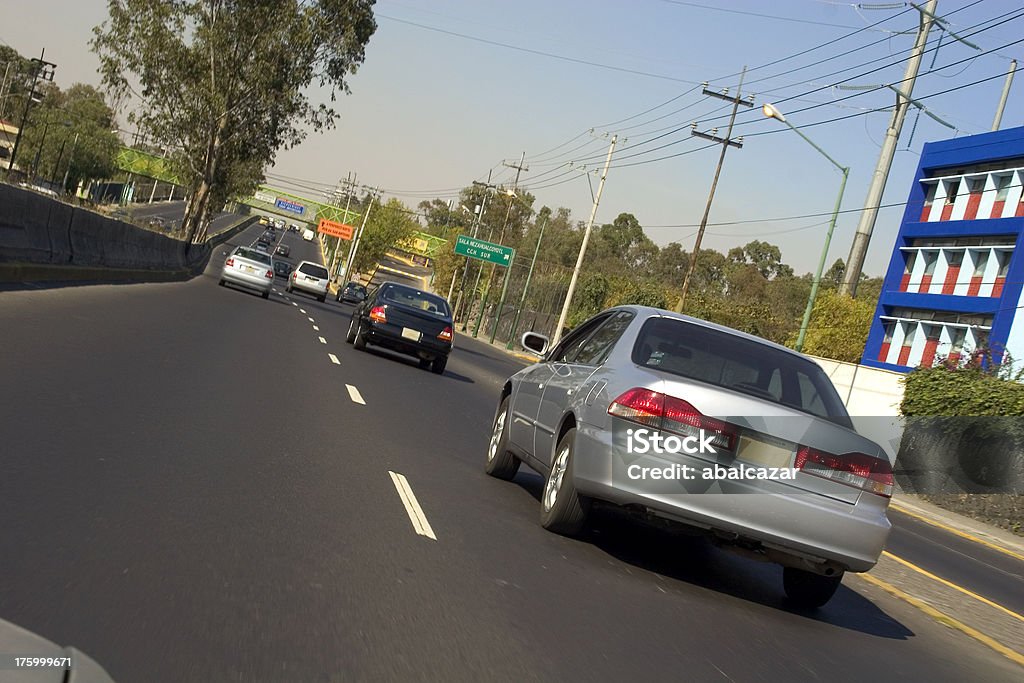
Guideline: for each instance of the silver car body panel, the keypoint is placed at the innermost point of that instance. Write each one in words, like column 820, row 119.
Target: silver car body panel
column 248, row 273
column 808, row 517
column 309, row 283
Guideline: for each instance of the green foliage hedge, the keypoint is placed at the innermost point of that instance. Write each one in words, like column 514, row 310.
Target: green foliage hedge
column 965, row 391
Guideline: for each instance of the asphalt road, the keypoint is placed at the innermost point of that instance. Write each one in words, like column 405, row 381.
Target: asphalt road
column 193, row 489
column 174, row 212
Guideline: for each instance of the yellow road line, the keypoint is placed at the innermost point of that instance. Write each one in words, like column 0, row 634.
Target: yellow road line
column 957, row 532
column 945, row 618
column 952, row 585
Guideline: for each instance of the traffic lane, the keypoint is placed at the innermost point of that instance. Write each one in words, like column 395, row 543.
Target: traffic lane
column 987, row 572
column 203, row 530
column 697, row 603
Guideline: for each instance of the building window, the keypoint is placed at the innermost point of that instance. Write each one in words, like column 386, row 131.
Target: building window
column 929, row 199
column 1002, row 190
column 959, row 335
column 908, row 342
column 883, row 353
column 908, row 270
column 978, row 276
column 951, row 189
column 930, row 259
column 954, row 259
column 1004, row 266
column 974, row 187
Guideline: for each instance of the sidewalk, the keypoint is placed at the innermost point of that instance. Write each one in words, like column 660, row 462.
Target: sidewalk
column 498, row 345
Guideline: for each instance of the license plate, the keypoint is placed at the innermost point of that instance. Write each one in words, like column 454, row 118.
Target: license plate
column 758, row 452
column 410, row 334
column 311, row 279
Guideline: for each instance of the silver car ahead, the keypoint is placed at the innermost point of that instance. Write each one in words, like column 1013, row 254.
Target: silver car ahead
column 249, row 268
column 311, row 278
column 776, row 470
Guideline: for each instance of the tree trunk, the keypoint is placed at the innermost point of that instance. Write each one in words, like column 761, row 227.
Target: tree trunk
column 197, row 210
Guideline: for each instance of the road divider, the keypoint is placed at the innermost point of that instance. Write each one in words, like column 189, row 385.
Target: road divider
column 412, row 506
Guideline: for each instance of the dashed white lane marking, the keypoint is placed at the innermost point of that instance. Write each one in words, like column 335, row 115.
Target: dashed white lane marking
column 354, row 394
column 294, row 304
column 412, row 506
column 315, row 328
column 334, row 359
column 302, row 311
column 310, row 319
column 322, row 340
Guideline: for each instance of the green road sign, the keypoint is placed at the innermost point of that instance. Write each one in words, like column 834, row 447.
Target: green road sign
column 484, row 251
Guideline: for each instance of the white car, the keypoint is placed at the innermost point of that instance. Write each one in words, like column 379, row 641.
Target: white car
column 249, row 268
column 311, row 278
column 308, row 235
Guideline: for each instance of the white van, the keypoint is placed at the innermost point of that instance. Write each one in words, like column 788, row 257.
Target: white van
column 308, row 235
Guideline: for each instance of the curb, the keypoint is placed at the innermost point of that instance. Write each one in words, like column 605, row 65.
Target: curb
column 962, row 526
column 521, row 356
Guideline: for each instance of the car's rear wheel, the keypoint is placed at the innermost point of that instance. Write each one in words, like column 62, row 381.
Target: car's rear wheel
column 222, row 283
column 288, row 288
column 500, row 462
column 360, row 339
column 322, row 298
column 439, row 364
column 562, row 509
column 265, row 295
column 351, row 336
column 807, row 589
column 424, row 363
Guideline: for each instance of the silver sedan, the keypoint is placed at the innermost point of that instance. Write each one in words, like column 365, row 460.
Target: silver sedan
column 700, row 427
column 249, row 268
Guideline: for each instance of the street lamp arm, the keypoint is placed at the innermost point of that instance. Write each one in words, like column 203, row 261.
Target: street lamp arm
column 815, row 146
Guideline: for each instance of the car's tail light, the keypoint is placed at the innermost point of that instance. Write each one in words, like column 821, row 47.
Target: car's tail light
column 858, row 470
column 270, row 274
column 230, row 263
column 446, row 335
column 671, row 414
column 377, row 314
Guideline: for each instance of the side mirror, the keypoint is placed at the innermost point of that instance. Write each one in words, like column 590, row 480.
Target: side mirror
column 534, row 343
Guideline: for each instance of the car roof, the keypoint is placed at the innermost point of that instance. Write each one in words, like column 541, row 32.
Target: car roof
column 651, row 312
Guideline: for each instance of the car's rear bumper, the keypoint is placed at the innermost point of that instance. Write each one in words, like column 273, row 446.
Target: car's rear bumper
column 427, row 347
column 308, row 288
column 260, row 283
column 780, row 517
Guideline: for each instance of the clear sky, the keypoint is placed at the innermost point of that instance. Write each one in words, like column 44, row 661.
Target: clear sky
column 453, row 88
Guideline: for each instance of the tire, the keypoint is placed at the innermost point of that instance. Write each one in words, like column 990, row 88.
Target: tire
column 322, row 298
column 424, row 363
column 360, row 339
column 351, row 335
column 500, row 462
column 265, row 295
column 437, row 367
column 288, row 288
column 807, row 589
column 562, row 510
column 222, row 283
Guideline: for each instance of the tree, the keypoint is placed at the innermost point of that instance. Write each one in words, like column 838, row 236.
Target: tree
column 839, row 327
column 767, row 258
column 226, row 81
column 386, row 225
column 70, row 132
column 833, row 277
column 19, row 71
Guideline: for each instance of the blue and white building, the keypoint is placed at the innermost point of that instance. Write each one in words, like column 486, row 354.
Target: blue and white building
column 955, row 278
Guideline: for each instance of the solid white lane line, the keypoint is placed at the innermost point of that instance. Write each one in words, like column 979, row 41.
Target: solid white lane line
column 315, row 328
column 311, row 320
column 354, row 394
column 322, row 340
column 412, row 506
column 334, row 359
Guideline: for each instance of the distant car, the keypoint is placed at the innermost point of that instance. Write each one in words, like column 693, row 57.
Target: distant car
column 406, row 320
column 308, row 235
column 293, row 227
column 283, row 250
column 634, row 372
column 282, row 268
column 264, row 220
column 311, row 278
column 279, row 224
column 263, row 246
column 249, row 268
column 353, row 292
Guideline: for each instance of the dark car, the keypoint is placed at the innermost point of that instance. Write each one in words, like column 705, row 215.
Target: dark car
column 282, row 268
column 283, row 250
column 353, row 292
column 406, row 320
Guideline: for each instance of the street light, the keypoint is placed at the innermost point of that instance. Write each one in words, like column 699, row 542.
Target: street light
column 771, row 112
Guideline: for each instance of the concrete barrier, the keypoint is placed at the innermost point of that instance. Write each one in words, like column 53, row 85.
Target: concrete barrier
column 40, row 235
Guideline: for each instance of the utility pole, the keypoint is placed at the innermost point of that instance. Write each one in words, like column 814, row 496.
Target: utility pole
column 583, row 246
column 726, row 142
column 354, row 250
column 44, row 70
column 1006, row 93
column 501, row 238
column 349, row 183
column 859, row 248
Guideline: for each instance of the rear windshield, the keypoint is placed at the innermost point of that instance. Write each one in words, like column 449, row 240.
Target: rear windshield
column 314, row 270
column 740, row 364
column 253, row 255
column 417, row 299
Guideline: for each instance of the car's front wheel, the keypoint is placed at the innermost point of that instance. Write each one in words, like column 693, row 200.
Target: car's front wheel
column 807, row 589
column 562, row 509
column 500, row 462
